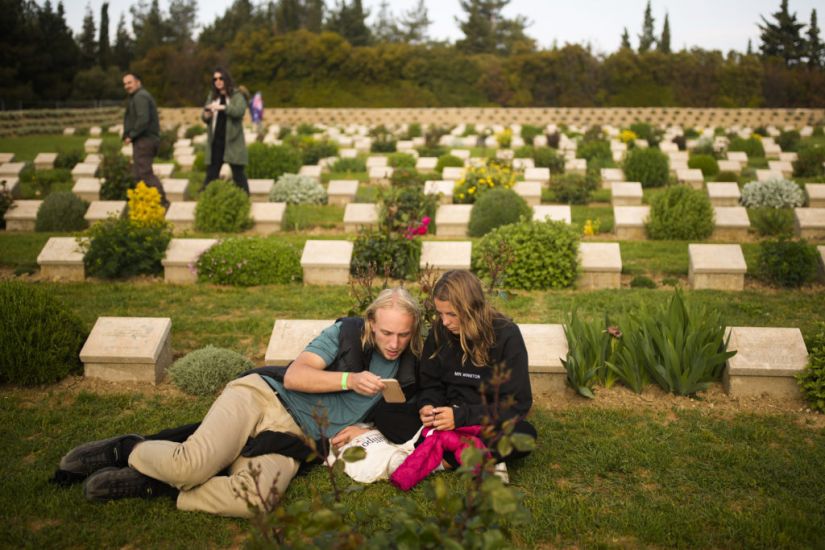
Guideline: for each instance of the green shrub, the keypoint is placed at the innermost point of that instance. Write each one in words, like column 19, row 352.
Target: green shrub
column 594, row 149
column 382, row 140
column 116, row 171
column 401, row 160
column 545, row 254
column 789, row 140
column 774, row 193
column 812, row 378
column 349, row 165
column 706, row 163
column 61, row 211
column 200, row 163
column 751, row 146
column 305, row 129
column 448, row 160
column 588, row 352
column 809, row 162
column 529, row 132
column 196, row 130
column 250, row 261
column 406, row 177
column 786, row 263
column 119, row 248
column 705, row 148
column 42, row 181
column 819, row 131
column 645, row 131
column 387, row 253
column 648, row 166
column 68, row 158
column 404, row 209
column 726, row 176
column 772, row 222
column 272, row 161
column 6, row 200
column 641, row 281
column 495, row 208
column 571, row 188
column 432, row 150
column 313, row 150
column 222, row 207
column 40, row 337
column 413, row 131
column 479, row 179
column 680, row 213
column 166, row 144
column 545, row 157
column 207, row 370
column 294, row 189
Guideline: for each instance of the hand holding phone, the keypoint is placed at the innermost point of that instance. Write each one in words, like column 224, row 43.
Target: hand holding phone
column 392, row 391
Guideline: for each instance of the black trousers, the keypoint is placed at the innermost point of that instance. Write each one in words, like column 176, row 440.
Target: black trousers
column 213, row 171
column 144, row 150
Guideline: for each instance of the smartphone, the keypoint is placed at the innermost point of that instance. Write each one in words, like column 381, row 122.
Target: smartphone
column 392, row 391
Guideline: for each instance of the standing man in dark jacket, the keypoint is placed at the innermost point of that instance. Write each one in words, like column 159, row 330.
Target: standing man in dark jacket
column 141, row 128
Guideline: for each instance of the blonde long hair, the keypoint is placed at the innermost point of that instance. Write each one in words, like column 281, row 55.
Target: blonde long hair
column 398, row 298
column 475, row 315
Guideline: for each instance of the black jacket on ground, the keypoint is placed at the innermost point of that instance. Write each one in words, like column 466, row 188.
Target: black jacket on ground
column 445, row 380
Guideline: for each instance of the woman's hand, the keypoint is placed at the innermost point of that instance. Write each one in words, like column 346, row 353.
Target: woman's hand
column 425, row 413
column 364, row 383
column 216, row 106
column 443, row 418
column 346, row 435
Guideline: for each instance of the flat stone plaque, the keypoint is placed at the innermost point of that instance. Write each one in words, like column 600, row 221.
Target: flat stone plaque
column 443, row 187
column 92, row 145
column 530, row 191
column 360, row 215
column 44, row 161
column 739, row 156
column 716, row 266
column 732, row 223
column 537, row 174
column 326, row 262
column 453, row 173
column 426, row 164
column 175, row 188
column 182, row 216
column 84, row 170
column 575, row 166
column 259, row 189
column 380, row 175
column 446, row 255
column 6, row 158
column 163, row 170
column 729, row 166
column 267, row 217
column 766, row 362
column 87, row 189
column 133, row 349
column 342, row 192
column 816, row 194
column 11, row 169
column 101, row 210
column 626, row 193
column 629, row 222
column 179, row 262
column 723, row 193
column 377, row 161
column 22, row 215
column 555, row 212
column 451, row 220
column 692, row 177
column 768, row 175
column 610, row 175
column 810, row 223
column 546, row 346
column 463, row 154
column 601, row 266
column 783, row 166
column 290, row 337
column 310, row 171
column 62, row 258
column 522, row 164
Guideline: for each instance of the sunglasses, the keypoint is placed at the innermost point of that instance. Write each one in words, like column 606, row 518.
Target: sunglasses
column 216, row 78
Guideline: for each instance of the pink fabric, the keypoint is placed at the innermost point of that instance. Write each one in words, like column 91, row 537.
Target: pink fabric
column 427, row 456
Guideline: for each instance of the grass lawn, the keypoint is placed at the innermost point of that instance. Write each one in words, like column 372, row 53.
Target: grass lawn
column 27, row 147
column 600, row 477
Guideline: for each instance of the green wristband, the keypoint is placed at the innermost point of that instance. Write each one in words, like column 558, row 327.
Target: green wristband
column 344, row 377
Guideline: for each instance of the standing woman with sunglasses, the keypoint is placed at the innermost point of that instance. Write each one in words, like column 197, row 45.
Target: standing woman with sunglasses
column 223, row 115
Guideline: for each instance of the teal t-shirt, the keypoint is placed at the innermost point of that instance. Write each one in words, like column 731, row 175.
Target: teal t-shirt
column 343, row 408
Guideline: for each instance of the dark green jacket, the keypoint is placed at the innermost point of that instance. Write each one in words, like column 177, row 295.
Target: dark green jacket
column 234, row 151
column 141, row 118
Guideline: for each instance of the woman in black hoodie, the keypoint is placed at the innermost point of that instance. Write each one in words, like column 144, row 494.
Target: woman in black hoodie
column 468, row 340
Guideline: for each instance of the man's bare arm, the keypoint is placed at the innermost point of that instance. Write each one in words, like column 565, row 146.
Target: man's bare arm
column 307, row 374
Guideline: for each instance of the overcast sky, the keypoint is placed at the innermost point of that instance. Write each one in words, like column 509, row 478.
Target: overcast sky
column 718, row 24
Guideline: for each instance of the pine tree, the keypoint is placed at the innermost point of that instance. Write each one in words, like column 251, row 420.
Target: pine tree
column 783, row 38
column 647, row 39
column 104, row 50
column 314, row 15
column 237, row 17
column 750, row 48
column 385, row 28
column 148, row 26
column 349, row 20
column 664, row 42
column 625, row 40
column 486, row 30
column 87, row 39
column 414, row 24
column 816, row 50
column 180, row 25
column 288, row 16
column 123, row 51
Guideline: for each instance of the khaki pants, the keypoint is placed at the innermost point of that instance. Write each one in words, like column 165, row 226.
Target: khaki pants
column 245, row 408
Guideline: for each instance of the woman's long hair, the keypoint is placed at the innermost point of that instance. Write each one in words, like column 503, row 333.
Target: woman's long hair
column 228, row 83
column 475, row 315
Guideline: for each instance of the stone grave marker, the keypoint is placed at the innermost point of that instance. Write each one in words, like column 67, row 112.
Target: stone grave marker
column 93, row 158
column 267, row 217
column 446, row 255
column 716, row 266
column 95, row 131
column 816, row 194
column 453, row 173
column 360, row 215
column 6, row 157
column 723, row 193
column 809, row 223
column 181, row 258
column 785, row 167
column 530, row 191
column 311, row 171
column 11, row 184
column 127, row 151
column 62, row 259
column 629, row 222
column 44, row 161
column 11, row 169
column 342, row 192
column 175, row 188
column 442, row 187
column 575, row 166
column 68, row 131
column 554, row 212
column 326, row 262
column 260, row 188
column 546, row 346
column 767, row 175
column 739, row 156
column 601, row 266
column 128, row 349
column 692, row 177
column 729, row 166
column 22, row 215
column 92, row 145
column 289, row 338
column 87, row 189
column 821, row 250
column 186, row 162
column 380, row 175
column 452, row 220
column 84, row 170
column 163, row 170
column 626, row 193
column 609, row 175
column 541, row 175
column 426, row 164
column 767, row 361
column 463, row 154
column 732, row 223
column 182, row 216
column 790, row 156
column 522, row 164
column 101, row 210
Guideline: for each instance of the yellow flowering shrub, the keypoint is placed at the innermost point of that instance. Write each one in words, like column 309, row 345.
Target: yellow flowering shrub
column 591, row 227
column 478, row 179
column 628, row 136
column 505, row 138
column 144, row 205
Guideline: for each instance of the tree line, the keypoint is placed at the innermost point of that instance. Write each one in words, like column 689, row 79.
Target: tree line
column 306, row 53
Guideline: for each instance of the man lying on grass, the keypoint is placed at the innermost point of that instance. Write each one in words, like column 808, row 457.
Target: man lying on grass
column 263, row 418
